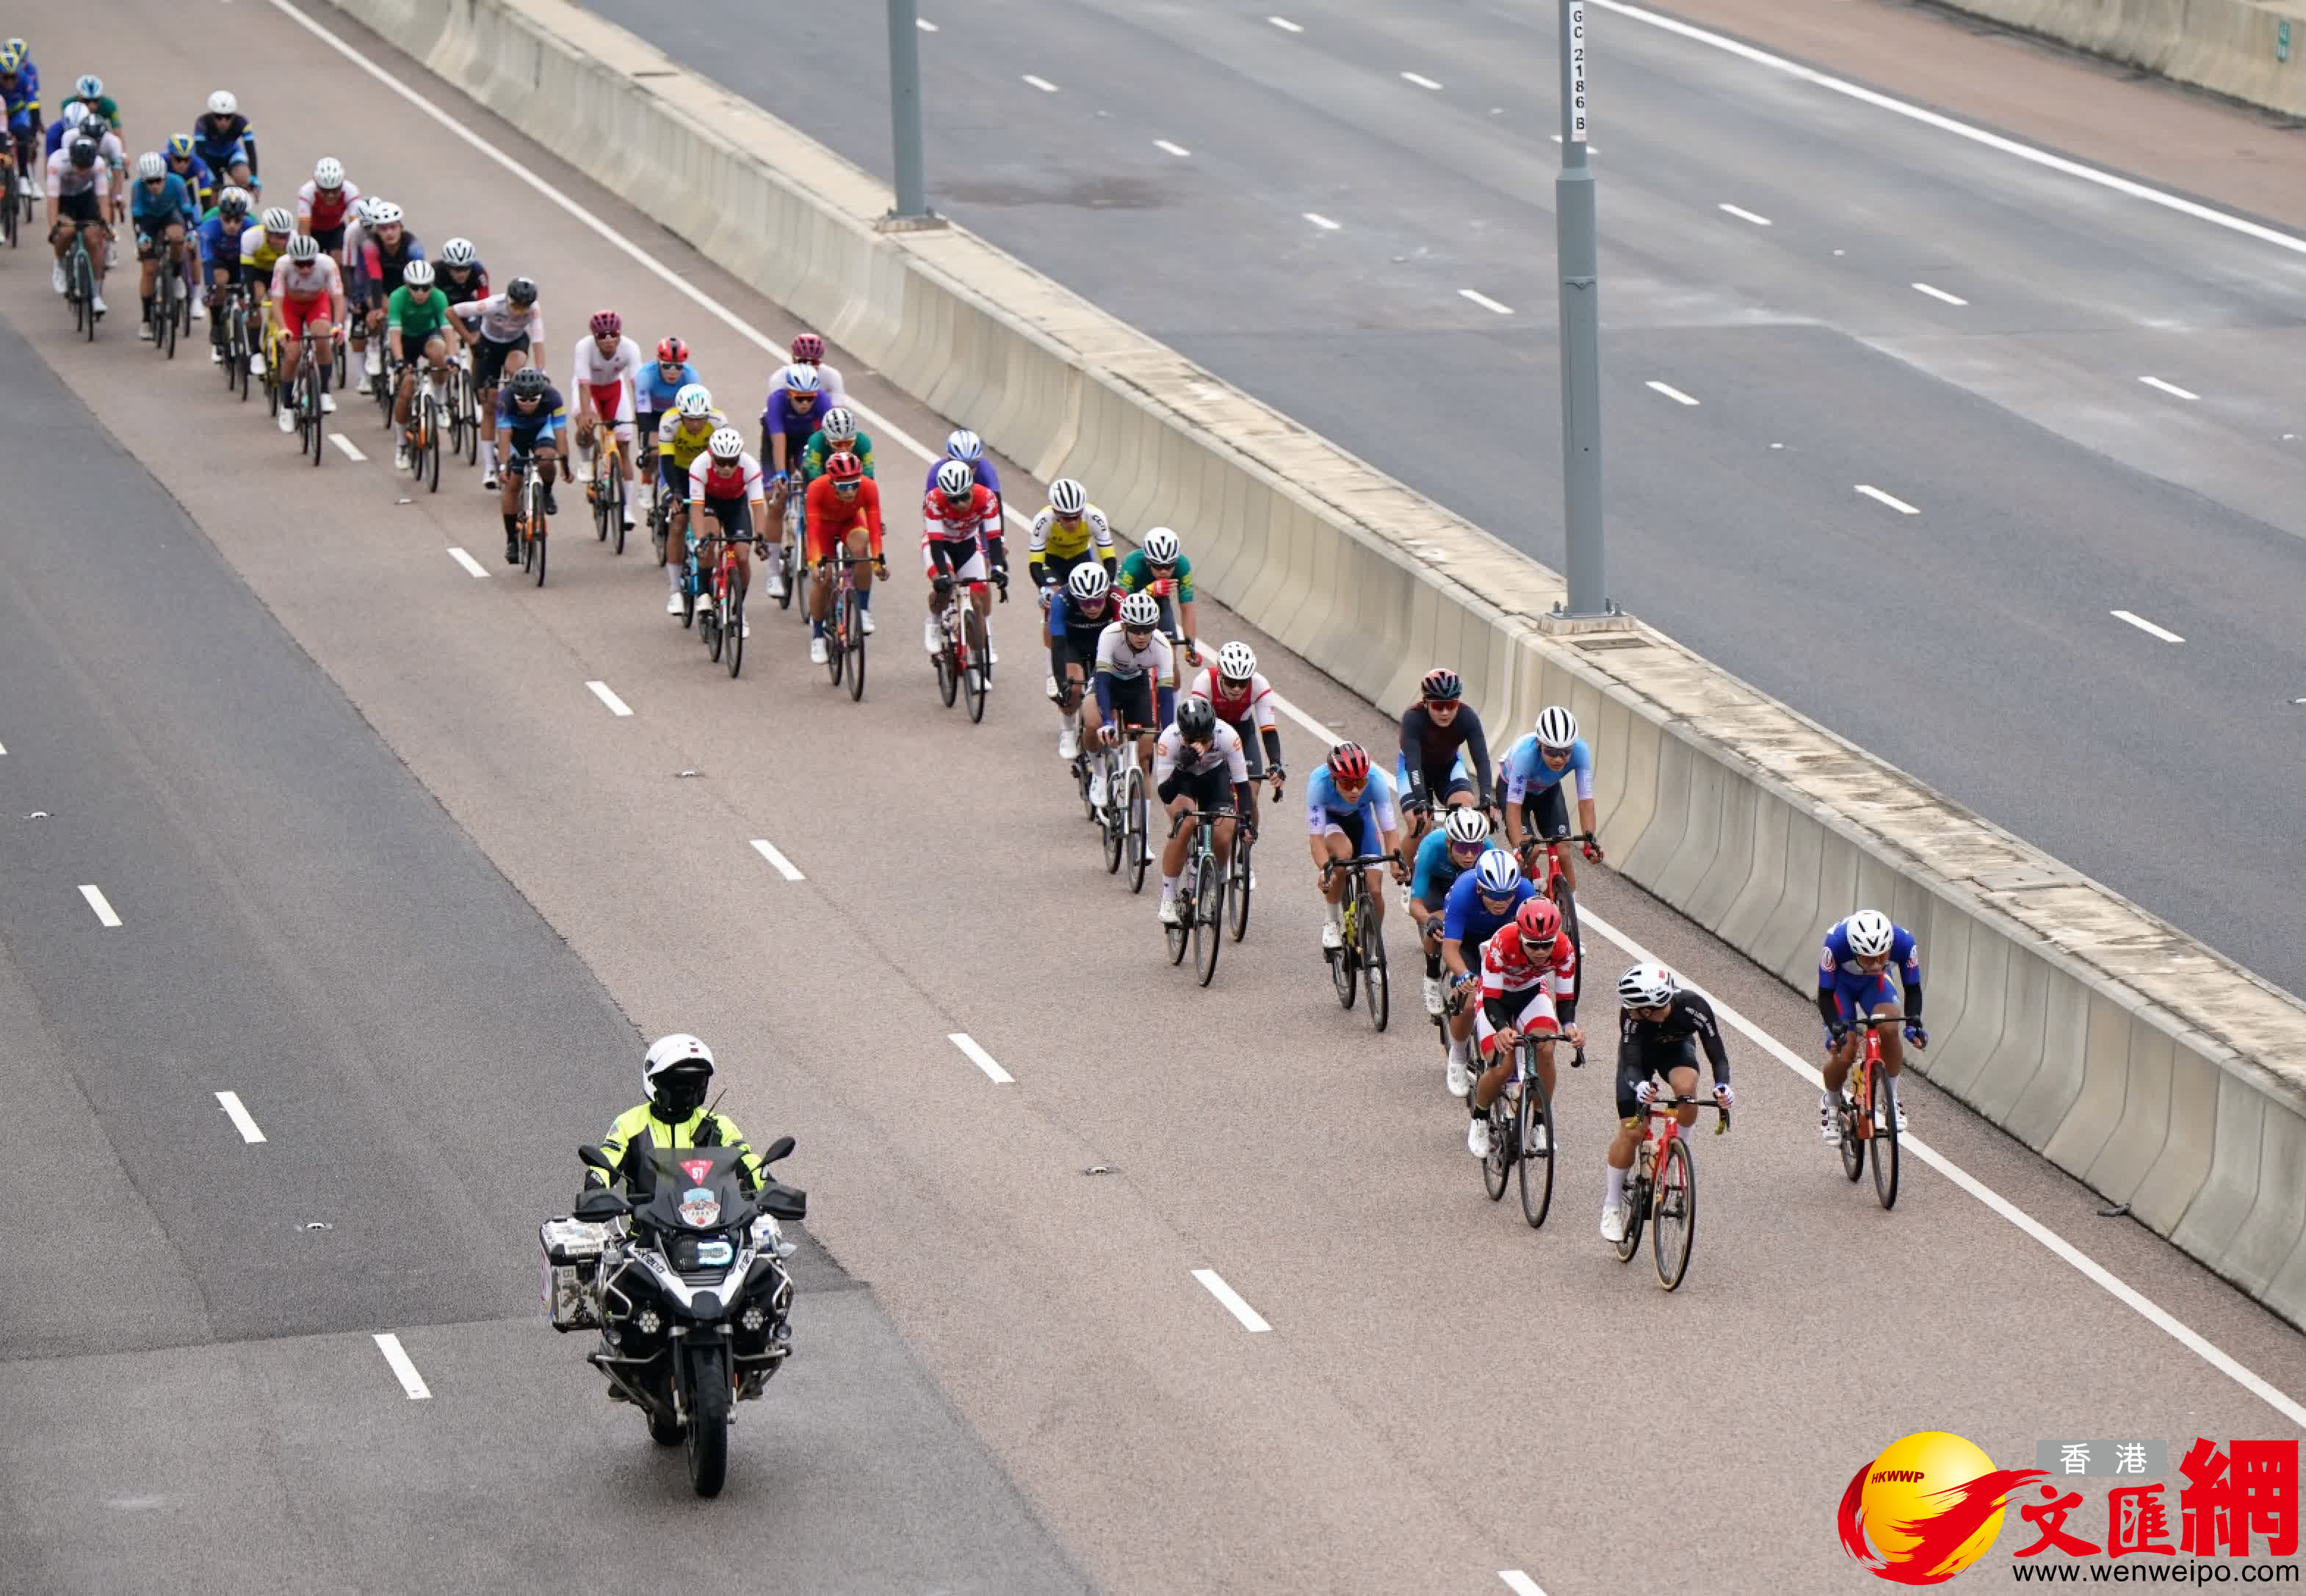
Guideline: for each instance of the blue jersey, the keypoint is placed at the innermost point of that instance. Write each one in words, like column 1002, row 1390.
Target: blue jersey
column 197, row 178
column 986, row 477
column 223, row 144
column 1523, row 773
column 219, row 247
column 1437, row 872
column 1067, row 621
column 174, row 202
column 23, row 98
column 1838, row 969
column 653, row 395
column 1325, row 808
column 539, row 425
column 1467, row 920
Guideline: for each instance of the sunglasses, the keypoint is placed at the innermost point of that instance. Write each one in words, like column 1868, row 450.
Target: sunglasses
column 1138, row 634
column 847, row 489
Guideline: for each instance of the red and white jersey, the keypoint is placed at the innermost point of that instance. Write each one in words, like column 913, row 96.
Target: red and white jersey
column 1254, row 698
column 942, row 522
column 740, row 478
column 325, row 208
column 608, row 378
column 1508, row 967
column 305, row 281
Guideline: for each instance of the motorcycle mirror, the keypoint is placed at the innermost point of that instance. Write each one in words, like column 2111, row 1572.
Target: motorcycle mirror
column 781, row 1147
column 596, row 1158
column 601, row 1204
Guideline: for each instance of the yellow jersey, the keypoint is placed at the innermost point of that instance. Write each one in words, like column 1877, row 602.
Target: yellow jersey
column 258, row 253
column 1057, row 537
column 681, row 442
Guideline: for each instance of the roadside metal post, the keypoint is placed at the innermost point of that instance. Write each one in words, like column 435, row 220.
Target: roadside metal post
column 1577, row 246
column 905, row 110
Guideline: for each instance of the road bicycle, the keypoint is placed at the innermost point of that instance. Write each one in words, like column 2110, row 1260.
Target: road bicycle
column 169, row 314
column 1201, row 889
column 1553, row 881
column 1661, row 1189
column 845, row 629
column 1868, row 1116
column 791, row 565
column 80, row 285
column 305, row 399
column 1122, row 817
column 229, row 327
column 463, row 409
column 1241, row 880
column 607, row 488
column 529, row 517
column 721, row 612
column 423, row 435
column 1522, row 1140
column 963, row 662
column 1360, row 959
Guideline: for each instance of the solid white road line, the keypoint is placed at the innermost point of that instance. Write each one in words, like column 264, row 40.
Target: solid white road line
column 762, row 846
column 2065, row 1251
column 2169, row 387
column 394, row 1355
column 1671, row 392
column 1043, row 84
column 1321, row 221
column 1519, row 1583
column 617, row 706
column 97, row 902
column 1179, row 151
column 1485, row 302
column 983, row 1060
column 1420, row 79
column 1217, row 1288
column 350, row 448
column 243, row 1121
column 471, row 566
column 2146, row 626
column 1285, row 24
column 1743, row 215
column 1951, row 299
column 1892, row 499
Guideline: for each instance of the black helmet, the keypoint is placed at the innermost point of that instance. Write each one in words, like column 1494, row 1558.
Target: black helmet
column 84, row 153
column 1197, row 721
column 521, row 291
column 529, row 383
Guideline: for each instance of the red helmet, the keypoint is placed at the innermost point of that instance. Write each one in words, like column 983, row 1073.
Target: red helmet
column 1539, row 922
column 1348, row 764
column 808, row 347
column 845, row 468
column 672, row 352
column 607, row 324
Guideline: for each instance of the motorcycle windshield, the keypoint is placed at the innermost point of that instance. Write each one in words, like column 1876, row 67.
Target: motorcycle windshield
column 697, row 1188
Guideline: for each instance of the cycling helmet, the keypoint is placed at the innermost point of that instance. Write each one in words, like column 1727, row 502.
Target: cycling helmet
column 1197, row 719
column 383, row 213
column 1440, row 686
column 459, row 252
column 303, row 246
column 1648, row 986
column 726, row 443
column 1067, row 497
column 150, row 167
column 606, row 324
column 845, row 468
column 1556, row 728
column 416, row 274
column 90, row 87
column 1348, row 763
column 75, row 114
column 223, row 103
column 672, row 352
column 84, row 153
column 1497, row 873
column 1236, row 662
column 1870, row 933
column 961, row 444
column 801, row 379
column 94, row 125
column 329, row 174
column 694, row 401
column 1466, row 827
column 276, row 220
column 808, row 347
column 361, row 208
column 180, row 147
column 676, row 1073
column 1538, row 920
column 529, row 383
column 1138, row 609
column 233, row 204
column 1088, row 584
column 521, row 291
column 840, row 426
column 1161, row 547
column 11, row 59
column 955, row 480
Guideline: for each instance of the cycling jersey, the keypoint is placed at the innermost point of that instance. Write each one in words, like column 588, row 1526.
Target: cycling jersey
column 1326, row 807
column 712, row 478
column 1845, row 987
column 1252, row 698
column 831, row 518
column 197, row 178
column 103, row 105
column 530, row 428
column 325, row 209
column 472, row 289
column 220, row 245
column 981, row 468
column 607, row 378
column 305, row 281
column 380, row 268
column 831, row 390
column 417, row 320
column 1523, row 772
column 258, row 253
column 1468, row 920
column 23, row 99
column 224, row 143
column 653, row 394
column 1687, row 1015
column 1054, row 537
column 1510, row 965
column 943, row 522
column 65, row 179
column 1118, row 657
column 1067, row 618
column 812, row 457
column 1171, row 756
column 500, row 321
column 1437, row 871
column 173, row 203
column 681, row 442
column 783, row 415
column 1429, row 749
column 1137, row 574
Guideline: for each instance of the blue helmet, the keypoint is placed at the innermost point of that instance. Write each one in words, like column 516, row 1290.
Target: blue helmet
column 1498, row 873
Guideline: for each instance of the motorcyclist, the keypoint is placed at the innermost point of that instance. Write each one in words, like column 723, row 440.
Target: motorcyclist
column 677, row 1074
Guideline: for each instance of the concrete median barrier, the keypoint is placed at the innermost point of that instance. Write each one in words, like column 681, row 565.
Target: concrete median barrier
column 2132, row 1056
column 2229, row 47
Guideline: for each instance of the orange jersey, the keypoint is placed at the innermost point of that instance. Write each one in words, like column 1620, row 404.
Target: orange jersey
column 831, row 519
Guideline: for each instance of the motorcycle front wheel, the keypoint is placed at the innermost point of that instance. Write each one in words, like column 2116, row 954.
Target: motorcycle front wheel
column 708, row 1418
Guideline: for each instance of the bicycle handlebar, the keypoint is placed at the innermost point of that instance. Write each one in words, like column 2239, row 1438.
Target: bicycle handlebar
column 1875, row 1021
column 1368, row 861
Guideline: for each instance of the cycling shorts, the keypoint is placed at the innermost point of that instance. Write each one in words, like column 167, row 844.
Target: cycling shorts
column 733, row 518
column 1442, row 781
column 81, row 207
column 1349, row 827
column 609, row 405
column 488, row 360
column 1546, row 814
column 1857, row 995
column 521, row 442
column 1638, row 1060
column 673, row 479
column 819, row 543
column 1211, row 791
column 331, row 239
column 963, row 557
column 1531, row 1011
column 1132, row 701
column 297, row 314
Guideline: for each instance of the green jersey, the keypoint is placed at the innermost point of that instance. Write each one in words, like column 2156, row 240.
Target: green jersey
column 1136, row 574
column 416, row 319
column 817, row 452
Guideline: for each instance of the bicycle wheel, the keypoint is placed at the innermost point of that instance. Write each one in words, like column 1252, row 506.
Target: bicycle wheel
column 1854, row 1135
column 789, row 564
column 1134, row 809
column 430, row 465
column 1377, row 979
column 854, row 631
column 315, row 415
column 1346, row 962
column 1566, row 900
column 836, row 634
column 1108, row 817
column 1209, row 919
column 709, row 615
column 948, row 671
column 164, row 311
column 1674, row 1224
column 1637, row 1213
column 1503, row 1154
column 1181, row 935
column 1237, row 887
column 974, row 679
column 616, row 506
column 84, row 281
column 733, row 630
column 1886, row 1139
column 1535, row 1170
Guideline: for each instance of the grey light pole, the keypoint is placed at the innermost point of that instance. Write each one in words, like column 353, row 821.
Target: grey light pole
column 1575, row 242
column 905, row 110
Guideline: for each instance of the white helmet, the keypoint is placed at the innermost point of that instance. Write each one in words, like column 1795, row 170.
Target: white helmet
column 955, row 478
column 1066, row 498
column 1467, row 826
column 360, row 211
column 303, row 246
column 150, row 166
column 1089, row 583
column 329, row 173
column 1237, row 661
column 76, row 113
column 416, row 274
column 459, row 252
column 90, row 87
column 382, row 213
column 1647, row 986
column 1139, row 609
column 694, row 401
column 222, row 103
column 961, row 444
column 678, row 1066
column 726, row 443
column 1161, row 547
column 1556, row 728
column 1870, row 933
column 802, row 379
column 840, row 426
column 276, row 220
column 1497, row 873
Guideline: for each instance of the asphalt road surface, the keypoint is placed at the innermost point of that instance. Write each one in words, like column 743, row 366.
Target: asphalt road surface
column 387, row 868
column 1881, row 432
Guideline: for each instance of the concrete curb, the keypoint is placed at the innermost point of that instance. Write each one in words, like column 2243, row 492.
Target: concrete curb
column 2229, row 47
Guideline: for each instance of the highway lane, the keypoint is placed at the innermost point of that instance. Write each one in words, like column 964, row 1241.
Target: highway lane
column 1253, row 1130
column 188, row 1373
column 2053, row 485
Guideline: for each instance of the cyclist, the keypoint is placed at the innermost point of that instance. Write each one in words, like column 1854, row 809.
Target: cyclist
column 837, row 434
column 1432, row 731
column 530, row 417
column 808, row 355
column 462, row 277
column 509, row 325
column 1066, row 532
column 961, row 541
column 681, row 437
column 1660, row 1028
column 1480, row 901
column 324, row 205
column 164, row 214
column 1447, row 852
column 602, row 370
column 1197, row 768
column 660, row 383
column 220, row 243
column 726, row 480
column 1078, row 617
column 387, row 248
column 1135, row 681
column 965, row 446
column 261, row 248
column 1853, row 979
column 20, row 98
column 789, row 417
column 417, row 320
column 1528, row 972
column 225, row 142
column 80, row 195
column 1530, row 778
column 87, row 91
column 1244, row 700
column 1347, row 799
column 308, row 300
column 844, row 509
column 186, row 163
column 69, row 121
column 1159, row 566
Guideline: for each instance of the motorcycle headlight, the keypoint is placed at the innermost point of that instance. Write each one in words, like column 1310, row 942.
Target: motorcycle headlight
column 650, row 1321
column 752, row 1319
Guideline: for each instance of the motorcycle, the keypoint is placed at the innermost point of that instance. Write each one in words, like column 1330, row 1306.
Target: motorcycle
column 688, row 1291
